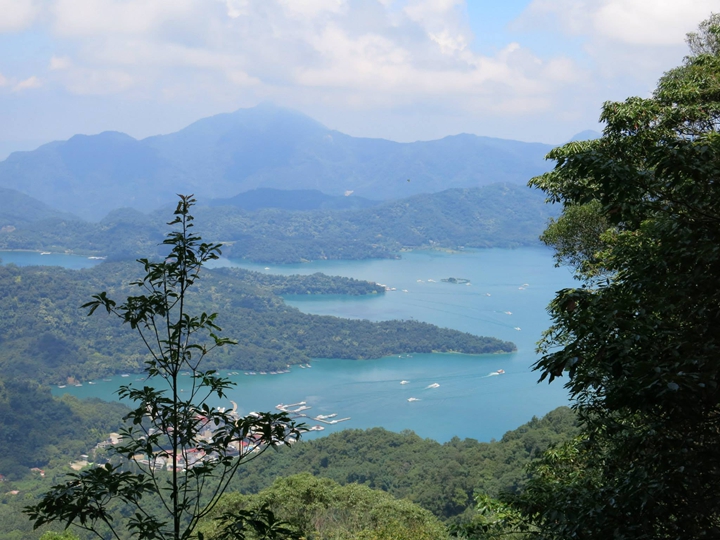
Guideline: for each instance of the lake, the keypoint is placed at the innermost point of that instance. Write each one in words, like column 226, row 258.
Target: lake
column 506, row 298
column 35, row 258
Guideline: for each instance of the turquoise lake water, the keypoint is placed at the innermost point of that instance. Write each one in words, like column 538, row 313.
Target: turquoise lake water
column 35, row 258
column 509, row 289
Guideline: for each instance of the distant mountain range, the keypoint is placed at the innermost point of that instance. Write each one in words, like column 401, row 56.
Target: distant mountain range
column 260, row 147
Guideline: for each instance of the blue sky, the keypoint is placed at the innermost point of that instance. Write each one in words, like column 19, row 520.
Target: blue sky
column 533, row 70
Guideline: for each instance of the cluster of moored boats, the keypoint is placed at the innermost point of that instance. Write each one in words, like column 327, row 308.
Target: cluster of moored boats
column 303, row 406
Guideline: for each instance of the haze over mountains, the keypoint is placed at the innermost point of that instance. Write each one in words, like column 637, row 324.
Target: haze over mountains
column 260, row 147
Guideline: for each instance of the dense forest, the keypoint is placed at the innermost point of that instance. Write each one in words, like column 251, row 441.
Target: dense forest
column 46, row 337
column 499, row 215
column 37, row 430
column 440, row 478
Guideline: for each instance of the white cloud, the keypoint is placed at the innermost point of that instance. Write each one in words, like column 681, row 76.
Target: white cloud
column 632, row 22
column 83, row 81
column 629, row 43
column 59, row 63
column 88, row 18
column 357, row 56
column 312, row 8
column 17, row 15
column 27, row 84
column 3, row 80
column 369, row 52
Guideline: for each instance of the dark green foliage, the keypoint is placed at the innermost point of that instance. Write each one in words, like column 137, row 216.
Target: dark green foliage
column 302, row 506
column 37, row 430
column 46, row 337
column 441, row 478
column 500, row 215
column 639, row 342
column 438, row 477
column 202, row 447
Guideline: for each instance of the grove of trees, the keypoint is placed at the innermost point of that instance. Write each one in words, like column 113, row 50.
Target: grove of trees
column 638, row 342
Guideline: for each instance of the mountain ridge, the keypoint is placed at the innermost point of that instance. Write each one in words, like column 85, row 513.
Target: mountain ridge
column 260, row 147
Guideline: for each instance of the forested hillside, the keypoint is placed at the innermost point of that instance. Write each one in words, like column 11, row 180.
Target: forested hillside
column 47, row 337
column 500, row 215
column 37, row 430
column 441, row 478
column 18, row 210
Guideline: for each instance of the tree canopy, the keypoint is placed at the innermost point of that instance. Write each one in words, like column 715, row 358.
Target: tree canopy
column 638, row 339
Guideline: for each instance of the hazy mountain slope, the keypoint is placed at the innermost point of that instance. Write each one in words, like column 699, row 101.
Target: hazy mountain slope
column 587, row 135
column 18, row 209
column 264, row 146
column 292, row 199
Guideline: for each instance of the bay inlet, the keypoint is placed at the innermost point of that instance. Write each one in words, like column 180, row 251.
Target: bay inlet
column 445, row 395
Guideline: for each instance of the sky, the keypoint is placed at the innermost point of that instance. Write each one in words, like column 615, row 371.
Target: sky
column 406, row 70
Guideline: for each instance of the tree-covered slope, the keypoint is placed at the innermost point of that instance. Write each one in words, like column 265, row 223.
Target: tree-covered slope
column 37, row 430
column 439, row 477
column 264, row 146
column 18, row 209
column 45, row 336
column 499, row 215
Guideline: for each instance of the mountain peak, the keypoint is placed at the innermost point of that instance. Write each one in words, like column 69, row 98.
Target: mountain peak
column 587, row 135
column 266, row 146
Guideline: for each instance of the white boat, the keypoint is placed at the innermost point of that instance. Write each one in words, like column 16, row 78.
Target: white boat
column 500, row 371
column 405, row 290
column 316, row 428
column 508, row 312
column 413, row 399
column 404, row 382
column 44, row 253
column 433, row 385
column 517, row 328
column 487, row 294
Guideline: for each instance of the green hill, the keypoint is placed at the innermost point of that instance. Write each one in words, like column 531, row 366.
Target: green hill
column 499, row 215
column 46, row 337
column 18, row 210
